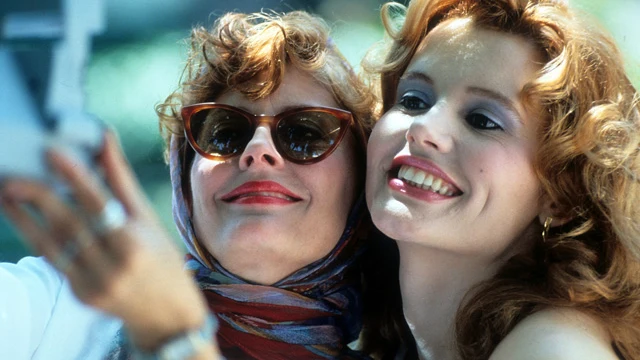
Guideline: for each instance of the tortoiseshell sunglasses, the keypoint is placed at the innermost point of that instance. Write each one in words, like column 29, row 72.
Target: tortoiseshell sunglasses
column 304, row 135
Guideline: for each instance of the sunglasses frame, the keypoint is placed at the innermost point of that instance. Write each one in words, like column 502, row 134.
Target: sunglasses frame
column 345, row 117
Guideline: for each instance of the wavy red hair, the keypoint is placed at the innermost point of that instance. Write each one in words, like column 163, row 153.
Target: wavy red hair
column 588, row 162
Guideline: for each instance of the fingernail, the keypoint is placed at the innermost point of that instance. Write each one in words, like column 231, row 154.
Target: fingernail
column 57, row 151
column 53, row 152
column 55, row 156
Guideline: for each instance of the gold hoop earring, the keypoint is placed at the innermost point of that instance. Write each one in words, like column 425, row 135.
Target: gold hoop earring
column 546, row 227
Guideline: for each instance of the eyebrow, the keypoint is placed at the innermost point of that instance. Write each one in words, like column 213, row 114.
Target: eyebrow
column 417, row 76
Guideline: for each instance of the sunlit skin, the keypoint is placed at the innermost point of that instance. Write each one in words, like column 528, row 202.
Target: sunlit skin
column 458, row 117
column 261, row 216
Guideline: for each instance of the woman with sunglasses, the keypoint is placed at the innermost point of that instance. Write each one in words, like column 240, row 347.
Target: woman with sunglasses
column 507, row 168
column 266, row 141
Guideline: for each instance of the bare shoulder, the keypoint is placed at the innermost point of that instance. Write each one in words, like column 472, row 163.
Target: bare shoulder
column 556, row 334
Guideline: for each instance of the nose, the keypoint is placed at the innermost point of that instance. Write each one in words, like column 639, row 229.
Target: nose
column 261, row 151
column 433, row 130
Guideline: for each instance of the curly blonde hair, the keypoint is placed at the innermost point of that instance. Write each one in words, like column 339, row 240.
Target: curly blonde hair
column 588, row 162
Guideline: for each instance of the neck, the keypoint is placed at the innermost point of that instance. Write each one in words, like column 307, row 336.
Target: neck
column 433, row 284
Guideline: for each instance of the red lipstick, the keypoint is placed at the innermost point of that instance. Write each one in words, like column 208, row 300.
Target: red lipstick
column 261, row 192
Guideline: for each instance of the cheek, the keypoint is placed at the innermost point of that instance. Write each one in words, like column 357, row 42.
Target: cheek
column 338, row 179
column 197, row 178
column 387, row 138
column 198, row 194
column 508, row 174
column 194, row 177
column 206, row 177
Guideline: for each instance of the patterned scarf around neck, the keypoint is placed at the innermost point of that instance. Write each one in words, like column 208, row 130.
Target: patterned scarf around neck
column 311, row 314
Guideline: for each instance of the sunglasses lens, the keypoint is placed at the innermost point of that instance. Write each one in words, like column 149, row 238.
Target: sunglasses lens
column 308, row 134
column 220, row 132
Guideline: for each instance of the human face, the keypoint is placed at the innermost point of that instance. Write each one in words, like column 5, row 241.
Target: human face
column 459, row 124
column 261, row 216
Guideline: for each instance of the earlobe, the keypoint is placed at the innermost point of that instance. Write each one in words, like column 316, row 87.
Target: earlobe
column 550, row 221
column 551, row 216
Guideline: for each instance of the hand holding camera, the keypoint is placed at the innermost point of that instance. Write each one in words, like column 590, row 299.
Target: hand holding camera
column 67, row 187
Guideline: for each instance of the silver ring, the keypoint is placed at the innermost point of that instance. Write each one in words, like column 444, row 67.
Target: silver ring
column 67, row 254
column 113, row 216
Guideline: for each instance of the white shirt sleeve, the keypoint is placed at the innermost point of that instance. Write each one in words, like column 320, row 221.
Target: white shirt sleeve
column 40, row 317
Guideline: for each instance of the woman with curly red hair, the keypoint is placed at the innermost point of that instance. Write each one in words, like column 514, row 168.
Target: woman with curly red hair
column 507, row 167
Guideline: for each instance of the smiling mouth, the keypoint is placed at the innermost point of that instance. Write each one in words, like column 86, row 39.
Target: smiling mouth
column 262, row 194
column 424, row 180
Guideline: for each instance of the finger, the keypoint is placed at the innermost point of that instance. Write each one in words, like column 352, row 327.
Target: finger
column 120, row 177
column 62, row 237
column 61, row 257
column 91, row 260
column 27, row 226
column 85, row 185
column 60, row 222
column 35, row 235
column 106, row 215
column 56, row 215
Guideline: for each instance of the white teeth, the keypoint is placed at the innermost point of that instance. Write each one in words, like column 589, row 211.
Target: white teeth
column 409, row 174
column 428, row 181
column 403, row 171
column 418, row 178
column 436, row 185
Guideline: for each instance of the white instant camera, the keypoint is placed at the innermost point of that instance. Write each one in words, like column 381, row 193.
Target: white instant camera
column 43, row 55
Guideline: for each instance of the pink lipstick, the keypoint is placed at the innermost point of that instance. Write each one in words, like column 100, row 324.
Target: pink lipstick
column 421, row 179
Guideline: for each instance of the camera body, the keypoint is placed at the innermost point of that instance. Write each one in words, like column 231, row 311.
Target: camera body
column 43, row 55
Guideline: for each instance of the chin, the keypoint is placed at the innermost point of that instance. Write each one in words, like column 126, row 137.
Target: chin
column 393, row 219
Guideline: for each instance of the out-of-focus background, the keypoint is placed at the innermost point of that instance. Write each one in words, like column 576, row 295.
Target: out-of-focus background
column 136, row 62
